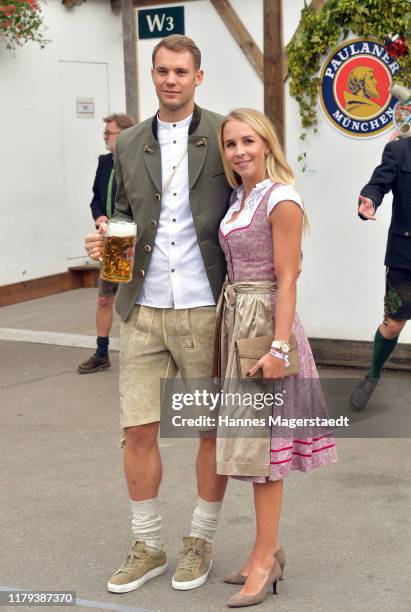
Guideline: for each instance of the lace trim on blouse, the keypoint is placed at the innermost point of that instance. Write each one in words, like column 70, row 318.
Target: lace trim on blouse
column 244, row 219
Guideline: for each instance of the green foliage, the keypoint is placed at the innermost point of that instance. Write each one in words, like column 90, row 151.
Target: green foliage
column 321, row 31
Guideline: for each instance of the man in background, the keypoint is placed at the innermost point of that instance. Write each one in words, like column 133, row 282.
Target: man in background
column 393, row 174
column 102, row 207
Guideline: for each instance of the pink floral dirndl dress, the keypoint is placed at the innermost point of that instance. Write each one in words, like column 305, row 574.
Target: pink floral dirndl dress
column 247, row 309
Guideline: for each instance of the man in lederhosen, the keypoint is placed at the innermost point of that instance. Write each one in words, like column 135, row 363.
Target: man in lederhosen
column 102, row 207
column 394, row 173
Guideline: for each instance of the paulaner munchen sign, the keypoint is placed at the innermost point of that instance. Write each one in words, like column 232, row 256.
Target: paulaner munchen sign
column 354, row 89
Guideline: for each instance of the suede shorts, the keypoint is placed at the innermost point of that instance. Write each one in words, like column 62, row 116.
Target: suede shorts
column 157, row 343
column 397, row 299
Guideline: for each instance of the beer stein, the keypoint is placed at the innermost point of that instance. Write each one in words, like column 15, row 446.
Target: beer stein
column 119, row 246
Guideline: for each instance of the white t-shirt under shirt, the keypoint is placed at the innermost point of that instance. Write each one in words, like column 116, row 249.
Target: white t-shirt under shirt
column 244, row 219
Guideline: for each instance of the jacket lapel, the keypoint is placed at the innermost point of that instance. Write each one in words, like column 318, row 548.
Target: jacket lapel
column 152, row 160
column 197, row 154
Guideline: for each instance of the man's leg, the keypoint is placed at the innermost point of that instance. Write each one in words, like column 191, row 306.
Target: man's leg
column 142, row 461
column 143, row 471
column 385, row 341
column 211, row 486
column 397, row 308
column 104, row 320
column 191, row 343
column 104, row 315
column 144, row 360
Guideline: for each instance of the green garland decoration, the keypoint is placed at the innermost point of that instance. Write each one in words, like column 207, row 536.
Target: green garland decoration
column 322, row 30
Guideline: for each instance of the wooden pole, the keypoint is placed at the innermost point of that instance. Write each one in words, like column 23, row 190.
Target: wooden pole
column 273, row 65
column 130, row 57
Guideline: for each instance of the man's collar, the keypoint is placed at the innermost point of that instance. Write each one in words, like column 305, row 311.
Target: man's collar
column 195, row 122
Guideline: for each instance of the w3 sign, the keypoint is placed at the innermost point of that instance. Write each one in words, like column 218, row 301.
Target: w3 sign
column 157, row 23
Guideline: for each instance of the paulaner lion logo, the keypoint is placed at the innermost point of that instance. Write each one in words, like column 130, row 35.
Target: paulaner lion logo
column 354, row 91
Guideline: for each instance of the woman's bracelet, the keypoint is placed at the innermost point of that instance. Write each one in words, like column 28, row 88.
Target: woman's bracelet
column 283, row 356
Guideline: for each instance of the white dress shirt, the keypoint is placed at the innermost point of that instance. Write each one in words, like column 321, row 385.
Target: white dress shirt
column 176, row 275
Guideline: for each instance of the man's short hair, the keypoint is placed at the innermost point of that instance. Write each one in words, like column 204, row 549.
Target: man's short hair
column 122, row 119
column 178, row 42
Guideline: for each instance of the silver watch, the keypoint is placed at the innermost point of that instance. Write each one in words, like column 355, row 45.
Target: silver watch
column 281, row 346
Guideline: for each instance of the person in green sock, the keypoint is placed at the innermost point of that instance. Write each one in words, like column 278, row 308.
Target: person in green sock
column 394, row 173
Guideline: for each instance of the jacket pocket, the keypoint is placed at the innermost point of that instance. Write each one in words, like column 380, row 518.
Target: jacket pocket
column 141, row 332
column 405, row 232
column 406, row 166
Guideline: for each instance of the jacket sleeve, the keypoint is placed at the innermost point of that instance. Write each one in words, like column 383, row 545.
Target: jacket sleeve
column 122, row 205
column 384, row 175
column 98, row 207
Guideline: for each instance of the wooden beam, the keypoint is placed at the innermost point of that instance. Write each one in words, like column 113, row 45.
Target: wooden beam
column 317, row 4
column 240, row 34
column 115, row 5
column 273, row 65
column 83, row 275
column 39, row 287
column 356, row 354
column 128, row 16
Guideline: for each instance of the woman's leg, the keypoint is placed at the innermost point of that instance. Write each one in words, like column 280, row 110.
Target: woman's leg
column 267, row 503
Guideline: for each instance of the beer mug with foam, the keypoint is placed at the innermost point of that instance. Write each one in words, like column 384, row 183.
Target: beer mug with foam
column 119, row 245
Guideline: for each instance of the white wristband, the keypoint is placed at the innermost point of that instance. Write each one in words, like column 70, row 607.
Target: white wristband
column 283, row 356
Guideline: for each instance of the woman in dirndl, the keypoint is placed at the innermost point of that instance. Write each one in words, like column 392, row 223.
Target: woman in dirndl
column 261, row 238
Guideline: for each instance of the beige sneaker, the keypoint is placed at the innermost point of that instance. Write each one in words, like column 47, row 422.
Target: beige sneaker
column 195, row 565
column 141, row 565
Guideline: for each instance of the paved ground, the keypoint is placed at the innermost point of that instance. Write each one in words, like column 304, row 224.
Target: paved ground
column 64, row 511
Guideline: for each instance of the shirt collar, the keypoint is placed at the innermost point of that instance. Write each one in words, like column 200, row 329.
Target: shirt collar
column 178, row 124
column 195, row 122
column 259, row 188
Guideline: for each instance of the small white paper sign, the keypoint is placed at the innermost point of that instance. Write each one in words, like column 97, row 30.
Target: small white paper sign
column 85, row 108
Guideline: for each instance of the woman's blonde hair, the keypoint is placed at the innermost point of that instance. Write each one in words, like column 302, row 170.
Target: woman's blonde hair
column 277, row 168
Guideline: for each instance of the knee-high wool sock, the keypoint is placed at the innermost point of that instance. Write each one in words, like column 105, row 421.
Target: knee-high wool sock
column 382, row 349
column 146, row 522
column 205, row 519
column 102, row 346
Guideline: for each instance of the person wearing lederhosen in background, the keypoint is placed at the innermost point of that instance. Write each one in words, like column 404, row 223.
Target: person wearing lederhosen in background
column 393, row 174
column 102, row 207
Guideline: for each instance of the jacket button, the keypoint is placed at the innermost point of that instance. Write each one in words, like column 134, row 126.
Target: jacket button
column 153, row 223
column 147, row 248
column 157, row 197
column 141, row 273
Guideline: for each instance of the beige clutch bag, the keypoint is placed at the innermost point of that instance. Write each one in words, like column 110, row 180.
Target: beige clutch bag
column 250, row 350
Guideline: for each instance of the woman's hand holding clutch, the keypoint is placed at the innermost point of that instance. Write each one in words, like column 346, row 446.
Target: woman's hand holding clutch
column 272, row 367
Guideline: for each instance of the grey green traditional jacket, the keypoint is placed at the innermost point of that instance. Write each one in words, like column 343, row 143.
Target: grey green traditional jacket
column 138, row 174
